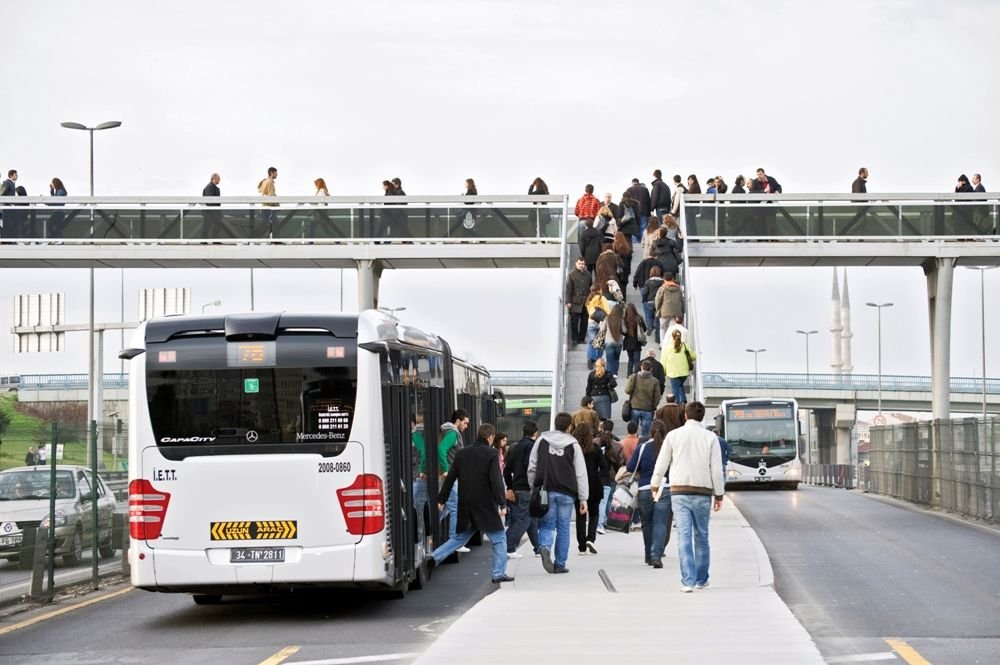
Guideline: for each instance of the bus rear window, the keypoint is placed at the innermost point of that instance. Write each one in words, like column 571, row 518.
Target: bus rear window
column 256, row 409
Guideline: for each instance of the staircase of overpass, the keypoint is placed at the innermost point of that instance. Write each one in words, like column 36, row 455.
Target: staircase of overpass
column 371, row 234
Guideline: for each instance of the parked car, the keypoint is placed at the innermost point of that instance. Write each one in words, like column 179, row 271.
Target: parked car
column 24, row 502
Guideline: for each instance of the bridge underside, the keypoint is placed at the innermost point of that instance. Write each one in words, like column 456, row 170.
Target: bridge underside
column 290, row 254
column 739, row 253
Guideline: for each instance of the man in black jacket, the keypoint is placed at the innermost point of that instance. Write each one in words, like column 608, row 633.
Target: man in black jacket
column 515, row 475
column 481, row 501
column 659, row 198
column 860, row 184
column 764, row 184
column 639, row 192
column 577, row 289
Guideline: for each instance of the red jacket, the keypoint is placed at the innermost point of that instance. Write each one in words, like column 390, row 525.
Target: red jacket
column 587, row 207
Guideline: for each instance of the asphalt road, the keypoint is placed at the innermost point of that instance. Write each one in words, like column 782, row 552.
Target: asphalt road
column 856, row 570
column 142, row 627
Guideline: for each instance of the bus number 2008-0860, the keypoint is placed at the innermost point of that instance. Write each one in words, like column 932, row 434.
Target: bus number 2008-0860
column 334, row 467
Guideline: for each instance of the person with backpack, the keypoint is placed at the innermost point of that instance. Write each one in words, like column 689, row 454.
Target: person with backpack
column 597, row 307
column 612, row 451
column 643, row 391
column 669, row 303
column 557, row 466
column 515, row 475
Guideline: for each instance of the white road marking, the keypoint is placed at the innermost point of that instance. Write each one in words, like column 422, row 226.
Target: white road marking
column 862, row 657
column 358, row 659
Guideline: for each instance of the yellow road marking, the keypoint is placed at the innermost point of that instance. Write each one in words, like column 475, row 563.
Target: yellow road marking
column 62, row 610
column 280, row 656
column 906, row 652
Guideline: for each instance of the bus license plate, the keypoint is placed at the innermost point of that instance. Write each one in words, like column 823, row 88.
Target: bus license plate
column 257, row 555
column 762, row 479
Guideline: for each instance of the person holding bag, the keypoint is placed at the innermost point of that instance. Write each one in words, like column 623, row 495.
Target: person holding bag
column 656, row 514
column 598, row 308
column 601, row 386
column 678, row 362
column 557, row 466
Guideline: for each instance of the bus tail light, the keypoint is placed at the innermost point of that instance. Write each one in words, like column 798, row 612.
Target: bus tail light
column 147, row 509
column 363, row 504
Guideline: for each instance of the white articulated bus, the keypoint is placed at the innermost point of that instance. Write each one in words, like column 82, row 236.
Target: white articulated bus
column 275, row 451
column 764, row 435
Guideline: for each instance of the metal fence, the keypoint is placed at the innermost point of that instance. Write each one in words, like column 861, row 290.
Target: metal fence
column 52, row 515
column 950, row 464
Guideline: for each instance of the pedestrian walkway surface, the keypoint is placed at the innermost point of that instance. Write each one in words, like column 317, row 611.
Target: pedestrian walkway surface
column 574, row 618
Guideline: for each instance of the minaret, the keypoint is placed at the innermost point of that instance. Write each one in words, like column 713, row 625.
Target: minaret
column 845, row 334
column 835, row 328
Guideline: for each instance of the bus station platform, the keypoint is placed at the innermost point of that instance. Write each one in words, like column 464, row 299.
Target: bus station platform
column 640, row 616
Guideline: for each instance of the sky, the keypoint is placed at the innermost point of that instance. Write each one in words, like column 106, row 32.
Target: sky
column 573, row 91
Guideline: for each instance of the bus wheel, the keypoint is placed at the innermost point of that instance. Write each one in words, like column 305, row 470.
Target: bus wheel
column 792, row 486
column 420, row 576
column 207, row 598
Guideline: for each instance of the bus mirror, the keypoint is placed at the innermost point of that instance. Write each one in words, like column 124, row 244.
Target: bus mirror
column 128, row 354
column 501, row 401
column 720, row 422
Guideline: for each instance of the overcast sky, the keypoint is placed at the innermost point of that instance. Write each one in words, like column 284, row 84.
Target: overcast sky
column 434, row 92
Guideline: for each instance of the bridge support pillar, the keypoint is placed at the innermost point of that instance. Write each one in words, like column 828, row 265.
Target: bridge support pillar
column 369, row 272
column 940, row 274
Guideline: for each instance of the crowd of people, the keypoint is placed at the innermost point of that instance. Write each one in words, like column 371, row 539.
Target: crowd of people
column 489, row 486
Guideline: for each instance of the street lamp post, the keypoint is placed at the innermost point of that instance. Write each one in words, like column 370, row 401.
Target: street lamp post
column 807, row 333
column 214, row 303
column 879, row 306
column 982, row 318
column 755, row 352
column 94, row 405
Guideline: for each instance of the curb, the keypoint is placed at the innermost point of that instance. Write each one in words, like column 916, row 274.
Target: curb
column 766, row 573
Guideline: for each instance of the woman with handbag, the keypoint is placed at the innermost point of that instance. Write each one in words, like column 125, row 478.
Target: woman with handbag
column 634, row 338
column 656, row 515
column 600, row 385
column 586, row 525
column 678, row 362
column 597, row 307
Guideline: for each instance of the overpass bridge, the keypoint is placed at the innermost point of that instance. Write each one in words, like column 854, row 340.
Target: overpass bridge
column 371, row 234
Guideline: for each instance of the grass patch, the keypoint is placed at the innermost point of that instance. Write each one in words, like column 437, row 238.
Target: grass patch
column 24, row 431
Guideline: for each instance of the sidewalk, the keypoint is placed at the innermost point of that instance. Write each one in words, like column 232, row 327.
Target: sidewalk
column 574, row 619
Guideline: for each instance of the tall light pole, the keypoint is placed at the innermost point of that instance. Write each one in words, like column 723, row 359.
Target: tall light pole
column 807, row 333
column 214, row 303
column 982, row 319
column 879, row 307
column 755, row 352
column 93, row 407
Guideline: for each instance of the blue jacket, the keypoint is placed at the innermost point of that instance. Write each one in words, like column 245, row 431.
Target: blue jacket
column 646, row 463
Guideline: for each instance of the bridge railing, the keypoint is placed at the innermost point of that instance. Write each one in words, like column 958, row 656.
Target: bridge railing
column 836, row 216
column 949, row 464
column 890, row 382
column 71, row 220
column 68, row 381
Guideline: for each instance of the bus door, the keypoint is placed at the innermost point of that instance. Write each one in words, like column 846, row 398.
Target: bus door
column 401, row 462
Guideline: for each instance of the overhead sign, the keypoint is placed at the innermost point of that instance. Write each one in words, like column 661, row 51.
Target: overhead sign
column 257, row 530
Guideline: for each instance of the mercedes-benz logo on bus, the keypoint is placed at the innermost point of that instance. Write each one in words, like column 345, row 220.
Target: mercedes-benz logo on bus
column 252, row 436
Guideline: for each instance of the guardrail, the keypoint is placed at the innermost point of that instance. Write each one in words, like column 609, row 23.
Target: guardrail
column 830, row 475
column 833, row 216
column 168, row 220
column 521, row 377
column 68, row 381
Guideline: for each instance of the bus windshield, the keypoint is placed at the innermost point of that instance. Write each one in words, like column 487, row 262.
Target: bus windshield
column 754, row 438
column 210, row 402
